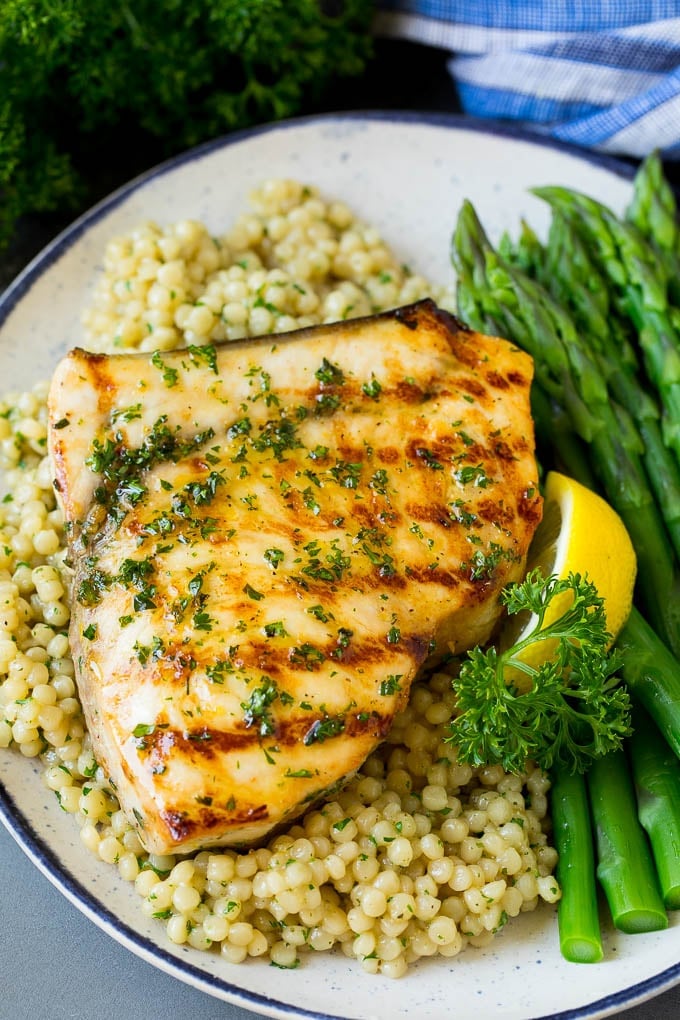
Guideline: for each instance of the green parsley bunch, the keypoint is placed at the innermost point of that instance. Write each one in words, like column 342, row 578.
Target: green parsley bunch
column 575, row 709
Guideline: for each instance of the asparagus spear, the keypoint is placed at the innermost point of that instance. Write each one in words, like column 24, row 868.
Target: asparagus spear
column 659, row 341
column 624, row 254
column 652, row 208
column 498, row 291
column 569, row 272
column 632, row 265
column 577, row 913
column 653, row 211
column 531, row 318
column 625, row 868
column 527, row 252
column 652, row 675
column 556, row 439
column 656, row 773
column 571, row 277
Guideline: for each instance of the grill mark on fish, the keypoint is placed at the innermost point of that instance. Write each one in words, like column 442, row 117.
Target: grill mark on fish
column 494, row 512
column 181, row 826
column 472, row 386
column 410, row 393
column 205, row 744
column 451, row 579
column 388, row 454
column 432, row 513
column 529, row 508
column 496, row 380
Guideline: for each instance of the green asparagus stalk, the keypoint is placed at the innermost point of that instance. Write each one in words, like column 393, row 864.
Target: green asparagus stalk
column 625, row 867
column 653, row 211
column 653, row 208
column 659, row 341
column 526, row 253
column 641, row 279
column 624, row 254
column 577, row 913
column 569, row 272
column 656, row 774
column 573, row 280
column 529, row 316
column 498, row 292
column 652, row 675
column 557, row 442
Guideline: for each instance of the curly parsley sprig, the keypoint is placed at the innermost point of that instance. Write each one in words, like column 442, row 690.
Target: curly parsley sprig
column 575, row 708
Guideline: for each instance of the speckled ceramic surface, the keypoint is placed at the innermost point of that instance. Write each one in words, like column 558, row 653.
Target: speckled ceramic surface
column 408, row 175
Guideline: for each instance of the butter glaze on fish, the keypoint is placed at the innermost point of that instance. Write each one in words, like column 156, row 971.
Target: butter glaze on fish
column 268, row 539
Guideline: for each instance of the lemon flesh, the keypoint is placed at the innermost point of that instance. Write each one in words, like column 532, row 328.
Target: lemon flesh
column 580, row 533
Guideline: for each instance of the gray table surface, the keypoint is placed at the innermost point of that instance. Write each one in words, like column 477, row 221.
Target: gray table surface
column 56, row 964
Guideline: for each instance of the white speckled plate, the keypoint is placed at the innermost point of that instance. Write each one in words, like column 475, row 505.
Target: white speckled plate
column 408, row 175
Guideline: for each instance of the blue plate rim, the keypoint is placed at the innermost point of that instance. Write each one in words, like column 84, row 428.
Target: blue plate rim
column 30, row 842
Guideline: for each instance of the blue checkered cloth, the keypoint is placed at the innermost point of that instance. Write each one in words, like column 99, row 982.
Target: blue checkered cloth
column 604, row 74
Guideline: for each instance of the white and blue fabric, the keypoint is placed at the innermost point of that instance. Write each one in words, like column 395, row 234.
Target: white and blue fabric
column 604, row 74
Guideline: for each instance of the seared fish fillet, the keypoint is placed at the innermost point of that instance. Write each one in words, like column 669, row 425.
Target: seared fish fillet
column 269, row 538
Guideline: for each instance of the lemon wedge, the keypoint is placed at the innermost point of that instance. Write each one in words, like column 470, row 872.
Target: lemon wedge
column 580, row 533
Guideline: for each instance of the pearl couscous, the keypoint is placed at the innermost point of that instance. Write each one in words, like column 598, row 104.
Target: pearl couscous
column 418, row 855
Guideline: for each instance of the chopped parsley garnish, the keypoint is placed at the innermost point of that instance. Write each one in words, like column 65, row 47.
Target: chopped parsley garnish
column 372, row 389
column 275, row 629
column 319, row 613
column 257, row 707
column 92, row 587
column 458, row 513
column 324, row 729
column 277, row 435
column 126, row 413
column 482, row 565
column 203, row 621
column 121, row 466
column 219, row 670
column 346, row 474
column 170, row 375
column 330, row 374
column 329, row 567
column 203, row 493
column 326, row 403
column 473, row 475
column 205, row 354
column 273, row 557
column 242, row 427
column 390, row 685
column 428, row 458
column 306, row 655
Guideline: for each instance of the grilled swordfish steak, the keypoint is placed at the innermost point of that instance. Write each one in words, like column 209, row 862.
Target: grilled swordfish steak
column 268, row 540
